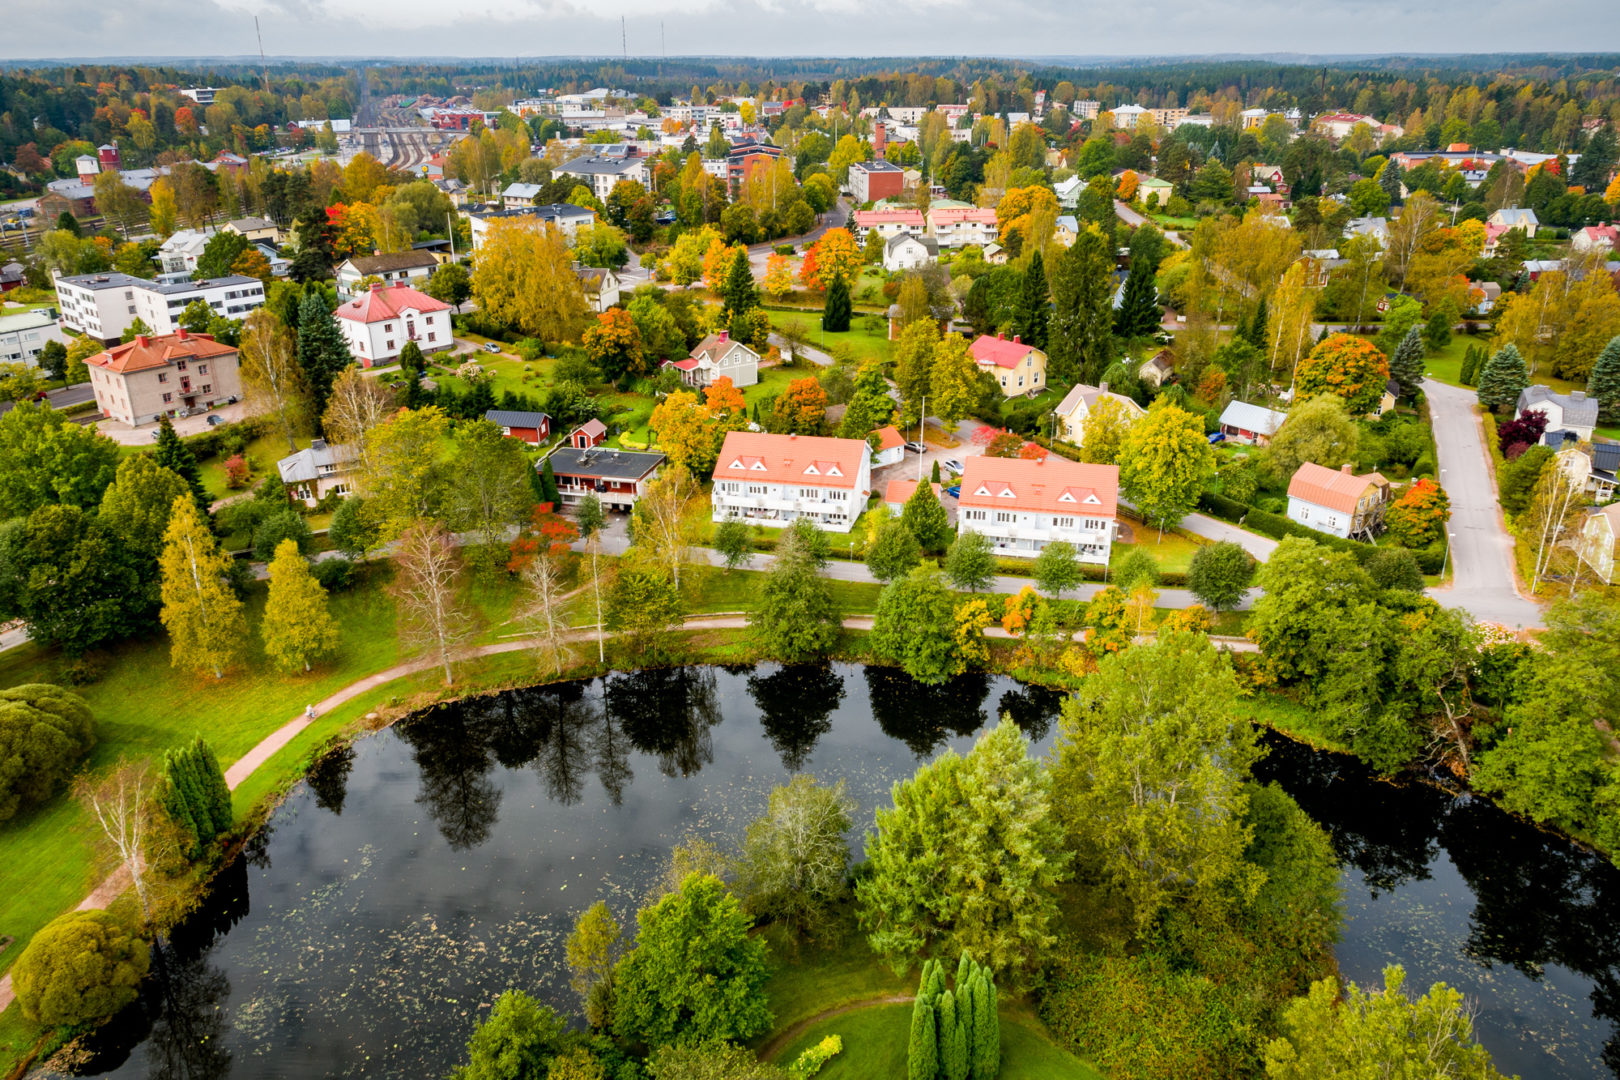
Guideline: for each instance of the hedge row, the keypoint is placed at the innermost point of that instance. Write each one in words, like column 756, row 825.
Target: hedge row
column 1430, row 559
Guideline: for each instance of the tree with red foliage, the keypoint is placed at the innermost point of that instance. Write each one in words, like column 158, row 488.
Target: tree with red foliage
column 1031, row 451
column 1418, row 518
column 1004, row 444
column 546, row 531
column 1525, row 431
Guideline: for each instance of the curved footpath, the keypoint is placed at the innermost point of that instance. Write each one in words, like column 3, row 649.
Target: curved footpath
column 784, row 1039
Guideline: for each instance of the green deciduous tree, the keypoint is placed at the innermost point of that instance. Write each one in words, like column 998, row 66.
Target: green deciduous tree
column 915, row 627
column 592, row 949
column 298, row 630
column 1152, row 763
column 491, row 492
column 45, row 732
column 1378, row 1033
column 796, row 617
column 1220, row 574
column 72, row 580
column 1503, row 379
column 731, row 541
column 1165, row 463
column 695, row 973
column 968, row 857
column 894, row 552
column 1056, row 568
column 517, row 1041
column 971, row 561
column 207, row 630
column 405, row 477
column 82, row 967
column 795, row 857
column 1319, row 430
column 47, row 458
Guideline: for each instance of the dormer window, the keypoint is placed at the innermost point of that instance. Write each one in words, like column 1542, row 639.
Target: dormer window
column 812, row 471
column 982, row 490
column 1065, row 497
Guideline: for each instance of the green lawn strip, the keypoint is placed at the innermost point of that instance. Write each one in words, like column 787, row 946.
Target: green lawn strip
column 262, row 453
column 811, row 978
column 868, row 335
column 876, row 1040
column 1174, row 552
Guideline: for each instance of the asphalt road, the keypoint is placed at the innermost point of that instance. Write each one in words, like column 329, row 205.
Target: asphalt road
column 1481, row 549
column 77, row 394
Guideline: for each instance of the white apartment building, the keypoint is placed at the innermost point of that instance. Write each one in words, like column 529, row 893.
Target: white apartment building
column 160, row 306
column 601, row 171
column 177, row 258
column 564, row 216
column 1024, row 505
column 23, row 336
column 888, row 223
column 960, row 226
column 776, row 479
column 377, row 324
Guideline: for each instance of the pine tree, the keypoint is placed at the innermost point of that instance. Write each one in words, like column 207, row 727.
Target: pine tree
column 927, row 520
column 176, row 456
column 548, row 485
column 922, row 1056
column 1604, row 382
column 1503, row 379
column 740, row 295
column 322, row 352
column 203, row 616
column 835, row 316
column 1255, row 332
column 297, row 628
column 1032, row 313
column 1138, row 314
column 1406, row 365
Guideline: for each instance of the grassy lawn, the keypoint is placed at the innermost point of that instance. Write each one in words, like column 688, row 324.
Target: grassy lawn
column 1174, row 552
column 262, row 453
column 876, row 1039
column 711, row 589
column 863, row 338
column 809, row 979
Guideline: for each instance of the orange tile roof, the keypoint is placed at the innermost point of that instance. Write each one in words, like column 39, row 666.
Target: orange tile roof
column 146, row 353
column 901, row 491
column 1052, row 485
column 810, row 460
column 1334, row 489
column 889, row 438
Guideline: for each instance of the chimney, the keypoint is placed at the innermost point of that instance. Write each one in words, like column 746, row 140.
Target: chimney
column 1345, row 468
column 376, row 286
column 142, row 340
column 1102, row 387
column 180, row 334
column 1001, row 336
column 1015, row 340
column 725, row 336
column 1577, row 395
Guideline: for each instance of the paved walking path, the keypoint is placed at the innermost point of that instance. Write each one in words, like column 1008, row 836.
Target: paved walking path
column 793, row 1031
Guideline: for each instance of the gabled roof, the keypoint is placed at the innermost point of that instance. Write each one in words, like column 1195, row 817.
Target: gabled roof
column 999, row 350
column 306, row 464
column 889, row 438
column 1255, row 418
column 1053, row 485
column 1513, row 215
column 808, row 460
column 592, row 427
column 901, row 239
column 901, row 491
column 1334, row 489
column 146, row 353
column 365, row 265
column 713, row 347
column 379, row 304
column 513, row 418
column 1091, row 395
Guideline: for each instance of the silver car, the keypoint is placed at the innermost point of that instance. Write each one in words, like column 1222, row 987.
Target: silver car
column 953, row 466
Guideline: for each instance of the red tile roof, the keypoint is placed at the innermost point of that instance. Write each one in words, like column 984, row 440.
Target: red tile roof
column 145, row 353
column 946, row 215
column 791, row 459
column 1334, row 489
column 382, row 303
column 999, row 350
column 865, row 218
column 901, row 491
column 1053, row 485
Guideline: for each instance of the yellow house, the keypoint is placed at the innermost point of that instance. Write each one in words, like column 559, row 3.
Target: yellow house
column 1152, row 185
column 1081, row 402
column 1018, row 369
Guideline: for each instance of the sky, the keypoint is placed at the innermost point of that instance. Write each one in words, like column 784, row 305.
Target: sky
column 529, row 28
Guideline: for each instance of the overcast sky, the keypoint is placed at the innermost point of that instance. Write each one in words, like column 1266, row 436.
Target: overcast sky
column 427, row 28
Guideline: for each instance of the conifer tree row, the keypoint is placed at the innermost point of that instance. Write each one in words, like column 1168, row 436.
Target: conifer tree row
column 955, row 1032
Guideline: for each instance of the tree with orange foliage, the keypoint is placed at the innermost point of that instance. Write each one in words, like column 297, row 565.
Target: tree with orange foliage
column 717, row 263
column 835, row 255
column 725, row 403
column 614, row 345
column 1353, row 368
column 800, row 409
column 1127, row 185
column 1418, row 518
column 810, row 270
column 1003, row 444
column 547, row 531
column 1212, row 387
column 1032, row 451
column 1020, row 610
column 778, row 276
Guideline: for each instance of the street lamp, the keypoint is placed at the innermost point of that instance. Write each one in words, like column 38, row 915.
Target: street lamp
column 1446, row 559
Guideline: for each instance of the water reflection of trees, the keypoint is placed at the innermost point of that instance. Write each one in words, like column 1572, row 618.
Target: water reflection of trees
column 452, row 748
column 1032, row 708
column 329, row 778
column 924, row 717
column 188, row 1034
column 668, row 713
column 796, row 703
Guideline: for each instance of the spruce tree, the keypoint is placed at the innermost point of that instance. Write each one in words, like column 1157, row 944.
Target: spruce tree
column 986, row 1030
column 1138, row 314
column 322, row 352
column 1390, row 177
column 739, row 294
column 177, row 457
column 1081, row 333
column 1031, row 315
column 835, row 316
column 548, row 484
column 1406, row 365
column 1442, row 318
column 1255, row 332
column 1604, row 382
column 1503, row 379
column 922, row 1056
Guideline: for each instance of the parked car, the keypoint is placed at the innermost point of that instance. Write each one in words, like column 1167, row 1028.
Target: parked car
column 215, row 420
column 491, row 346
column 954, row 491
column 1217, row 437
column 953, row 466
column 917, row 447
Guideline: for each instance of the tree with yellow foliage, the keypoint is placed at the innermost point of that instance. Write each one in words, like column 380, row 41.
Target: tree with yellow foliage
column 207, row 629
column 298, row 630
column 362, row 176
column 165, row 212
column 687, row 432
column 525, row 279
column 835, row 255
column 1562, row 323
column 778, row 276
column 717, row 262
column 685, row 262
column 1022, row 214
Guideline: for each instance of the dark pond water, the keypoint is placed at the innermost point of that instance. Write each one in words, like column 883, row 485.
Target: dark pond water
column 404, row 885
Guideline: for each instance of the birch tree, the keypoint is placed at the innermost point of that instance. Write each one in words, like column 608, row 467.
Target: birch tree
column 1553, row 510
column 664, row 519
column 120, row 800
column 545, row 613
column 357, row 405
column 590, row 519
column 297, row 628
column 433, row 617
column 272, row 382
column 795, row 858
column 203, row 616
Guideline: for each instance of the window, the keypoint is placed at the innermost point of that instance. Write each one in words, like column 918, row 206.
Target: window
column 1096, row 524
column 388, row 328
column 180, row 365
column 1063, row 522
column 390, row 346
column 1003, row 517
column 167, row 398
column 756, row 489
column 432, row 336
column 132, row 309
column 202, row 369
column 207, row 388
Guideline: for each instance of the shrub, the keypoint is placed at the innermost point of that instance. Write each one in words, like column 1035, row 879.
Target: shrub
column 810, row 1062
column 286, row 524
column 45, row 732
column 336, row 574
column 84, row 966
column 237, row 472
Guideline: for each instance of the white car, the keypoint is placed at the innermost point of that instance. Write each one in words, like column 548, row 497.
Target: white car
column 954, row 466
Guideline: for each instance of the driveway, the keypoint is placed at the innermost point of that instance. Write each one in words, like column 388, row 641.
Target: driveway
column 1484, row 583
column 120, row 432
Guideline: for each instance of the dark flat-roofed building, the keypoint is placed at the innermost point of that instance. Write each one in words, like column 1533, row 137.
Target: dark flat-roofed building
column 617, row 477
